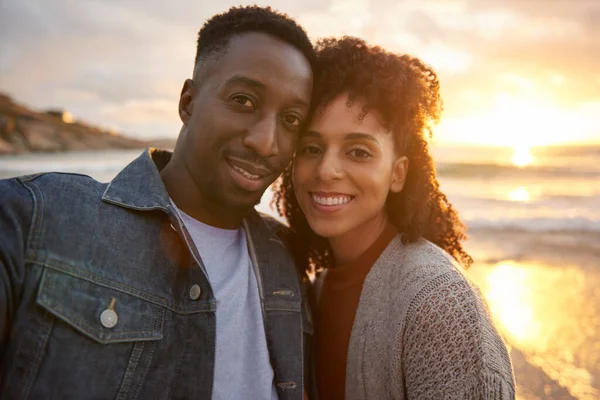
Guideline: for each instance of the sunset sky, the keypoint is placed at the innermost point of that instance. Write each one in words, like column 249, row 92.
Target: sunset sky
column 514, row 73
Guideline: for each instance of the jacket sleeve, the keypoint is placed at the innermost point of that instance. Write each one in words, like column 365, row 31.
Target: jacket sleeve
column 451, row 348
column 16, row 210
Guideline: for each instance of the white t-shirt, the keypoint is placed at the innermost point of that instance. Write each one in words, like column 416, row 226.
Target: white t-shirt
column 242, row 366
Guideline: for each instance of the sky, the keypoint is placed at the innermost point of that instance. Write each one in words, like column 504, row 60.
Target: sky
column 514, row 73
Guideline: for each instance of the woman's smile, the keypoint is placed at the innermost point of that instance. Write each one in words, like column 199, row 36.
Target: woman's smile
column 330, row 201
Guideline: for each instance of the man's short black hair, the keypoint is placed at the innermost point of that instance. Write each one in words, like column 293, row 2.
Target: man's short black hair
column 216, row 32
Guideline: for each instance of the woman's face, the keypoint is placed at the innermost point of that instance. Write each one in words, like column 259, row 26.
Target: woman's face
column 345, row 168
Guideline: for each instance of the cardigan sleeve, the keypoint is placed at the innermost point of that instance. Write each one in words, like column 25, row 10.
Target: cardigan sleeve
column 451, row 348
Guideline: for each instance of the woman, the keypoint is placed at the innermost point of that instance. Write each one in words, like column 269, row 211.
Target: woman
column 396, row 318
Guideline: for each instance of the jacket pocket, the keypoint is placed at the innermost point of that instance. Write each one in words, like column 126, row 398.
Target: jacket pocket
column 94, row 338
column 102, row 313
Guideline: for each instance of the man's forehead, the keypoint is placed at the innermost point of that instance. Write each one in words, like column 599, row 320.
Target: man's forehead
column 259, row 59
column 258, row 45
column 246, row 47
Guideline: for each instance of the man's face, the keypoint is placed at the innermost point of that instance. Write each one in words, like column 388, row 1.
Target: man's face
column 242, row 115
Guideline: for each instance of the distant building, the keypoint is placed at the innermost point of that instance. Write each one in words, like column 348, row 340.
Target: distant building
column 63, row 115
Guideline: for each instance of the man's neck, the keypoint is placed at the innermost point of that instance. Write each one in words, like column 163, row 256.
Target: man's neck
column 186, row 196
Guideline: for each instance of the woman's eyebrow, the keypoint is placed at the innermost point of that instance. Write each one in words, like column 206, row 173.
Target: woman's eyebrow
column 348, row 136
column 360, row 135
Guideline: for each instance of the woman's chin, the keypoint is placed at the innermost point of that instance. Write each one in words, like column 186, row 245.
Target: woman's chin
column 325, row 230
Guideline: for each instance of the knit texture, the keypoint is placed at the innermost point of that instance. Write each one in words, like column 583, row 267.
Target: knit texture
column 423, row 331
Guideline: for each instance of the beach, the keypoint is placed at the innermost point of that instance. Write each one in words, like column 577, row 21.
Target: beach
column 534, row 232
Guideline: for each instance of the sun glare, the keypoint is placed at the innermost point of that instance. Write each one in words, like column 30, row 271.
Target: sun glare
column 522, row 156
column 519, row 194
column 510, row 121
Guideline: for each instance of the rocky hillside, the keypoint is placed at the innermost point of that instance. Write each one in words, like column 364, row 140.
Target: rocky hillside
column 24, row 130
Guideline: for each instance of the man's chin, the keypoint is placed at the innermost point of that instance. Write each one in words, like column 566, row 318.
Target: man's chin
column 241, row 206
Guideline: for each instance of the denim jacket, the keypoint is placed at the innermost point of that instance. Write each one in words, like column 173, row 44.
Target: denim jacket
column 99, row 292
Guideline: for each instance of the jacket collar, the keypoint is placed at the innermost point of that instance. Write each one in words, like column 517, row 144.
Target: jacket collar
column 139, row 186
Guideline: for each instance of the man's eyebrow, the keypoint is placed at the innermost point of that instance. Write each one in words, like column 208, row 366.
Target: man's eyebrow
column 313, row 134
column 259, row 85
column 301, row 103
column 246, row 80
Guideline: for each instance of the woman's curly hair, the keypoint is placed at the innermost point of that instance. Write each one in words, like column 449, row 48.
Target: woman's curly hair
column 405, row 92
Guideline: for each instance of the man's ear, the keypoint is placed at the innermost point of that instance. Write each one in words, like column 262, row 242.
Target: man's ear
column 399, row 173
column 186, row 100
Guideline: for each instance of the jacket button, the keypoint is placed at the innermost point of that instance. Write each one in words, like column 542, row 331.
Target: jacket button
column 109, row 318
column 195, row 292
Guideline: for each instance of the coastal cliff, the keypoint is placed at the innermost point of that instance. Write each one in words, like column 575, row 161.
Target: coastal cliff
column 23, row 130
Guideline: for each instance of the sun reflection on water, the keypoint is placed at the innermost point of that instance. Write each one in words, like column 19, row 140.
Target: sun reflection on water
column 511, row 302
column 546, row 313
column 519, row 194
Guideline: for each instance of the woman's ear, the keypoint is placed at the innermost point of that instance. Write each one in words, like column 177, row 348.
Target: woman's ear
column 399, row 172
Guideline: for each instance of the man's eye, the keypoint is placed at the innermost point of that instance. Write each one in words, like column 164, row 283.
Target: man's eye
column 310, row 150
column 292, row 120
column 243, row 100
column 359, row 153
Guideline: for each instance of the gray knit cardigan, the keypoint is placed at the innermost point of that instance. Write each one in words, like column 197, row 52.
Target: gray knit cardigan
column 423, row 331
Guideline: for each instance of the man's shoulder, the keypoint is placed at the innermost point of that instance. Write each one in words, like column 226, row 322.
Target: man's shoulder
column 61, row 181
column 50, row 190
column 54, row 177
column 275, row 225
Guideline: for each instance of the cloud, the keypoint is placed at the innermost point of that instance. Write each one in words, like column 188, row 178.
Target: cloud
column 122, row 63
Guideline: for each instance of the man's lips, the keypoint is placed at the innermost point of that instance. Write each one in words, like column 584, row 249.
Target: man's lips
column 249, row 176
column 248, row 169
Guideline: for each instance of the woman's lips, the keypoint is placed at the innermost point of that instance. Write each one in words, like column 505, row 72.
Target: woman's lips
column 329, row 201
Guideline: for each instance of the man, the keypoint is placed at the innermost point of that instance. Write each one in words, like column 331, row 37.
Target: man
column 165, row 283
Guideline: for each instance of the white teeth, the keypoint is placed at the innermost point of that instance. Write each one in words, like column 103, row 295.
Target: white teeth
column 246, row 173
column 331, row 201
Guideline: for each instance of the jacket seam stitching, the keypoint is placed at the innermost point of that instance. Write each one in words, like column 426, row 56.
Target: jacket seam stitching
column 123, row 288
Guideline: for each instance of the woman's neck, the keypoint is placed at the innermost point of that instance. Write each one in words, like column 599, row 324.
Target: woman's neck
column 352, row 244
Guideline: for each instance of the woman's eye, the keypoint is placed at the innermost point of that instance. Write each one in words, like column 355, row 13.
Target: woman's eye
column 292, row 120
column 243, row 100
column 359, row 153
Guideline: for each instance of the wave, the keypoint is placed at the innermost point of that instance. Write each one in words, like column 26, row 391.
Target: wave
column 540, row 225
column 472, row 170
column 567, row 151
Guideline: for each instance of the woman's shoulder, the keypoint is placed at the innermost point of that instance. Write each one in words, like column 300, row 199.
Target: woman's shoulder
column 419, row 262
column 429, row 269
column 424, row 252
column 422, row 274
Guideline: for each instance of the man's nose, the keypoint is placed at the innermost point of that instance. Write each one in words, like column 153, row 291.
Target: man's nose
column 262, row 136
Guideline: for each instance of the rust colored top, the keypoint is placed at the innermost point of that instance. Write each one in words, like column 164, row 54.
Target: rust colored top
column 337, row 306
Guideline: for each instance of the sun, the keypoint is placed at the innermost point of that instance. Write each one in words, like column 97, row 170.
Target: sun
column 522, row 156
column 510, row 121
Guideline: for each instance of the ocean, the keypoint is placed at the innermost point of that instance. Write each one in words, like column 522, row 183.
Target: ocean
column 534, row 232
